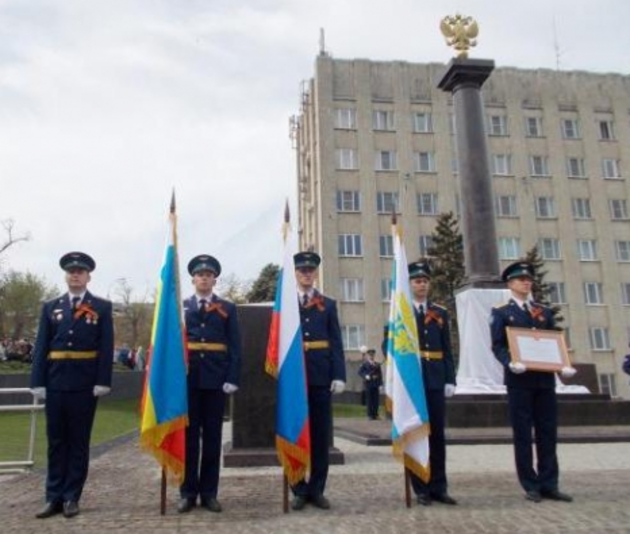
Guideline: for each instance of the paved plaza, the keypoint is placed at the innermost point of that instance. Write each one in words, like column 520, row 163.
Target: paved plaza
column 367, row 495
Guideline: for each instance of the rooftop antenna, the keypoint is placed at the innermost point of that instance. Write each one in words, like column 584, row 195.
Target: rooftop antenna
column 322, row 42
column 556, row 45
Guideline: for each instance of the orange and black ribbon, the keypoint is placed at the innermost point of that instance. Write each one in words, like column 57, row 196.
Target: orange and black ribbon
column 87, row 310
column 317, row 301
column 432, row 315
column 537, row 313
column 216, row 307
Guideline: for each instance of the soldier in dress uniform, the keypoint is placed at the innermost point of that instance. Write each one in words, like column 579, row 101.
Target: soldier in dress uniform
column 325, row 374
column 214, row 362
column 72, row 366
column 370, row 371
column 531, row 394
column 438, row 371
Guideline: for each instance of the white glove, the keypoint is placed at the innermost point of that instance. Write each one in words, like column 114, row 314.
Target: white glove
column 337, row 386
column 100, row 391
column 381, row 389
column 367, row 377
column 517, row 367
column 568, row 372
column 228, row 388
column 39, row 393
column 449, row 390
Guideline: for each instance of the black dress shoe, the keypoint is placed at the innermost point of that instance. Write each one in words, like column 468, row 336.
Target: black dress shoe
column 424, row 499
column 185, row 505
column 298, row 503
column 51, row 508
column 533, row 495
column 212, row 505
column 321, row 502
column 70, row 508
column 556, row 495
column 444, row 498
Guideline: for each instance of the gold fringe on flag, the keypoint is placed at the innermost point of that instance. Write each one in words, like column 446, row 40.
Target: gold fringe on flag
column 294, row 460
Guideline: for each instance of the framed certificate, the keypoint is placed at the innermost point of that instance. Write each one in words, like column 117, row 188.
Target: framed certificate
column 541, row 350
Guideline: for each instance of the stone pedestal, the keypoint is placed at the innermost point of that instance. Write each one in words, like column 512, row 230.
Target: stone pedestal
column 254, row 404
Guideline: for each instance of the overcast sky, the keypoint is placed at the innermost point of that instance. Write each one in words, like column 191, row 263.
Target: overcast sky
column 107, row 105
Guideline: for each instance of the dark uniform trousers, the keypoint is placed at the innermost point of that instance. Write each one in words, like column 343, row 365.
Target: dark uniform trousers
column 216, row 362
column 372, row 398
column 434, row 337
column 531, row 401
column 320, row 323
column 69, row 381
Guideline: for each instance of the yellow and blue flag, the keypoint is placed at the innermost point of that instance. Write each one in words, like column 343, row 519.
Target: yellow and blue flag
column 164, row 409
column 285, row 361
column 404, row 386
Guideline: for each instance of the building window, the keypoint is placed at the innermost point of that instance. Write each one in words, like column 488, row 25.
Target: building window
column 607, row 384
column 610, row 169
column 618, row 209
column 422, row 122
column 386, row 202
column 625, row 294
column 423, row 162
column 598, row 338
column 350, row 245
column 557, row 294
column 455, row 164
column 385, row 160
column 352, row 290
column 427, row 203
column 533, row 127
column 538, row 166
column 497, row 125
column 576, row 168
column 505, row 206
column 587, row 249
column 346, row 119
column 383, row 120
column 348, row 201
column 386, row 246
column 425, row 243
column 347, row 159
column 581, row 208
column 353, row 336
column 502, row 164
column 622, row 249
column 570, row 129
column 545, row 208
column 593, row 293
column 509, row 248
column 549, row 248
column 606, row 131
column 386, row 289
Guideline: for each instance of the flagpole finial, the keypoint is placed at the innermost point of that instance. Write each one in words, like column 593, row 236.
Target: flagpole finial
column 173, row 201
column 287, row 213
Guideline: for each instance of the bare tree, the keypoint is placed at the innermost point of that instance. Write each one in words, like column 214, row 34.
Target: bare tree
column 132, row 316
column 11, row 239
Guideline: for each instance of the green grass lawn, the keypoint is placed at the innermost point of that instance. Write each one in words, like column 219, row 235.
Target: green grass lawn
column 348, row 410
column 113, row 418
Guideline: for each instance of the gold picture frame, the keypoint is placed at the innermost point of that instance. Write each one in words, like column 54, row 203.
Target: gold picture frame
column 539, row 350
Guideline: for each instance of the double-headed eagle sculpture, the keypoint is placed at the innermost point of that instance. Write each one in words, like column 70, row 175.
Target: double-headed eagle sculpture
column 460, row 33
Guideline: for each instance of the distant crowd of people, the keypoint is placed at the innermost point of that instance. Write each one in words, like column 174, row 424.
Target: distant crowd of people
column 134, row 359
column 16, row 350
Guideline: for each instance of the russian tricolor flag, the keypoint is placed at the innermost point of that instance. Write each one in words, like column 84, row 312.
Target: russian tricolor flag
column 285, row 361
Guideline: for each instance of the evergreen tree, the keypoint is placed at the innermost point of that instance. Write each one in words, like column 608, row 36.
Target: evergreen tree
column 446, row 257
column 264, row 287
column 540, row 289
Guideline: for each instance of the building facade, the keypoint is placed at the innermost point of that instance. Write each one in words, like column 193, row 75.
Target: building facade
column 372, row 136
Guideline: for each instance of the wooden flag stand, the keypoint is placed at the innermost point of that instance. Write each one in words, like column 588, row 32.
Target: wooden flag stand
column 407, row 488
column 163, row 494
column 285, row 494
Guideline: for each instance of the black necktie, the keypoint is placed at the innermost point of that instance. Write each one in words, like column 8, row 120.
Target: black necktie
column 75, row 302
column 525, row 308
column 202, row 306
column 305, row 299
column 421, row 314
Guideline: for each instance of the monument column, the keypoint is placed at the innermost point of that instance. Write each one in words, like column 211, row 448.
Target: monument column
column 478, row 371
